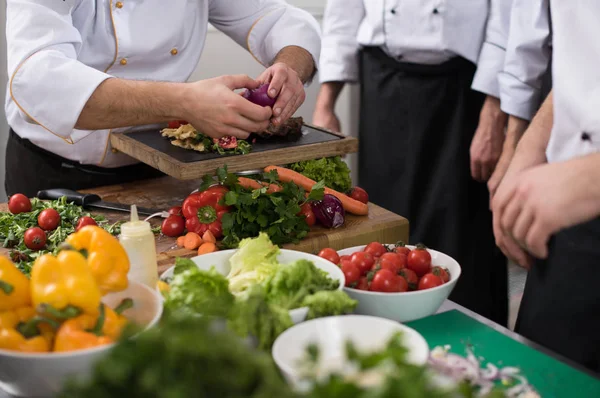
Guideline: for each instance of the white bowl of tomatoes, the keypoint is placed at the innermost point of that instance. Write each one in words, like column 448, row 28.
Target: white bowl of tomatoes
column 398, row 282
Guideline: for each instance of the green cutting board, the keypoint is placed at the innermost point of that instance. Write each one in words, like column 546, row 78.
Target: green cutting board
column 550, row 377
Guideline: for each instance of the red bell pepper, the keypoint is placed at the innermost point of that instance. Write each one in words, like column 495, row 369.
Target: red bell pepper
column 203, row 212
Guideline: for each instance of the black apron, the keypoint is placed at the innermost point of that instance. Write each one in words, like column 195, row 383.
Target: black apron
column 30, row 168
column 561, row 302
column 416, row 127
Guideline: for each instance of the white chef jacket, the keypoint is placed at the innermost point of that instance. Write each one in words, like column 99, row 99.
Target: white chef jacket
column 527, row 60
column 416, row 31
column 60, row 51
column 576, row 79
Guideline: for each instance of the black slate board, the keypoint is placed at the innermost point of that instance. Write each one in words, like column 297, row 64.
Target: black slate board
column 155, row 140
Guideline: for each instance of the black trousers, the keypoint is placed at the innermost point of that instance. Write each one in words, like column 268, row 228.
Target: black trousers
column 30, row 169
column 561, row 303
column 416, row 127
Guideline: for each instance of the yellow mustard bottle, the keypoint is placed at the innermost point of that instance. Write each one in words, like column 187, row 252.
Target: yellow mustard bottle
column 139, row 243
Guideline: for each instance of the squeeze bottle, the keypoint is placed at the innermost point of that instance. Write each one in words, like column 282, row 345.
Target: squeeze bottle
column 138, row 240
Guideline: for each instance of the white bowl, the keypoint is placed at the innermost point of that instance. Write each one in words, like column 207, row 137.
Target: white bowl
column 220, row 260
column 331, row 334
column 407, row 306
column 43, row 374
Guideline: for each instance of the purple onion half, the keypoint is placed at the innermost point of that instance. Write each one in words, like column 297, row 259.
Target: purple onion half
column 259, row 96
column 329, row 211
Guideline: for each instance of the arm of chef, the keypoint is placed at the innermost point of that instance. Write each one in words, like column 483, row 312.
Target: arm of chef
column 491, row 57
column 46, row 81
column 527, row 58
column 264, row 27
column 339, row 53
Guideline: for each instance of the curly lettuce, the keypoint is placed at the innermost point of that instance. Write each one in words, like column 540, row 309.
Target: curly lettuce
column 252, row 263
column 333, row 171
column 328, row 303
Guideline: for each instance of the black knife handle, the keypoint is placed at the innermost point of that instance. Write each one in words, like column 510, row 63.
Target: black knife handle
column 78, row 198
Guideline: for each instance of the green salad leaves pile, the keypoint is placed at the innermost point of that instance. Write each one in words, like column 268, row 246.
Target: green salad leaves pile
column 258, row 293
column 333, row 171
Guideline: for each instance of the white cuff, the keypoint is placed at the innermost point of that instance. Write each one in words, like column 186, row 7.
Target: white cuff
column 339, row 62
column 518, row 98
column 489, row 66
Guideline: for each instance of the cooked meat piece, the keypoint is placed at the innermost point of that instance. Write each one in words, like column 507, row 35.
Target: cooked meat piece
column 292, row 127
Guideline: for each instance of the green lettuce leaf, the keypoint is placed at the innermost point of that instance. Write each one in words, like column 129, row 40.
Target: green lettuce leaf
column 333, row 171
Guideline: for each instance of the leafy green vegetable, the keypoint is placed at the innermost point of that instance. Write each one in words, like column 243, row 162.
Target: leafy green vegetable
column 293, row 282
column 253, row 316
column 183, row 264
column 255, row 211
column 13, row 227
column 328, row 303
column 195, row 291
column 333, row 171
column 184, row 357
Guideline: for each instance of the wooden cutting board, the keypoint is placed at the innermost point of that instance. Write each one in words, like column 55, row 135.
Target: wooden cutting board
column 184, row 164
column 380, row 225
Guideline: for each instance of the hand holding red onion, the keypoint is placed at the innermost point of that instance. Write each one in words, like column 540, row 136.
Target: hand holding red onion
column 260, row 96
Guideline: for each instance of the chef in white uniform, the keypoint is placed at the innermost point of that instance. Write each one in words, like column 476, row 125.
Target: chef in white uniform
column 548, row 205
column 526, row 78
column 80, row 70
column 431, row 127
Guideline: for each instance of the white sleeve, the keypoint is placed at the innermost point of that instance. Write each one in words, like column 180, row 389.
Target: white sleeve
column 46, row 81
column 339, row 56
column 491, row 57
column 527, row 58
column 264, row 27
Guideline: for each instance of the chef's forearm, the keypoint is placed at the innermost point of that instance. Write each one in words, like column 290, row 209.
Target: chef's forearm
column 514, row 131
column 299, row 60
column 122, row 103
column 535, row 139
column 328, row 95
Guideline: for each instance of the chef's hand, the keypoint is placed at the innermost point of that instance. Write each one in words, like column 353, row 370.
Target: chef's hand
column 285, row 84
column 547, row 198
column 486, row 146
column 214, row 108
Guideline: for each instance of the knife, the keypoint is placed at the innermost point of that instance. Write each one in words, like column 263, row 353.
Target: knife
column 94, row 201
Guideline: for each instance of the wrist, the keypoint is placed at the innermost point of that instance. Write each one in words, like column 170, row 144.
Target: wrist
column 328, row 95
column 297, row 59
column 179, row 99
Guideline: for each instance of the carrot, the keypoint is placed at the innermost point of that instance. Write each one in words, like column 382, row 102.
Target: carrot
column 209, row 237
column 253, row 184
column 207, row 247
column 350, row 205
column 180, row 241
column 192, row 241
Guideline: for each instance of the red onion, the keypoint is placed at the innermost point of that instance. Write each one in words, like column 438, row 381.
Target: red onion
column 259, row 96
column 329, row 211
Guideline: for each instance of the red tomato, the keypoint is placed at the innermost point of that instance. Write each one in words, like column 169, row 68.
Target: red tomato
column 392, row 261
column 307, row 212
column 363, row 261
column 173, row 226
column 430, row 280
column 83, row 221
column 442, row 273
column 363, row 284
column 419, row 260
column 48, row 219
column 351, row 273
column 35, row 238
column 411, row 278
column 359, row 194
column 183, row 122
column 174, row 124
column 388, row 282
column 19, row 203
column 330, row 255
column 344, row 257
column 176, row 210
column 401, row 249
column 376, row 249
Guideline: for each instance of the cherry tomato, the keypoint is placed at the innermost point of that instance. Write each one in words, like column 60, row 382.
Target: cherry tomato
column 48, row 219
column 430, row 280
column 442, row 273
column 174, row 124
column 388, row 282
column 392, row 261
column 363, row 261
column 351, row 273
column 376, row 249
column 401, row 249
column 344, row 257
column 359, row 194
column 307, row 212
column 19, row 203
column 330, row 255
column 419, row 260
column 173, row 226
column 363, row 283
column 345, row 261
column 83, row 221
column 411, row 278
column 176, row 210
column 35, row 238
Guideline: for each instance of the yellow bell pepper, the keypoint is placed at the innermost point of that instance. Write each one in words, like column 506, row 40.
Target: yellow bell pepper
column 14, row 286
column 23, row 330
column 106, row 257
column 82, row 332
column 114, row 322
column 10, row 319
column 163, row 286
column 12, row 340
column 63, row 286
